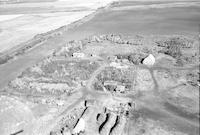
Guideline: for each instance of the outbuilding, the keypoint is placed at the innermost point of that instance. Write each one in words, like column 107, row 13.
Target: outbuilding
column 149, row 61
column 78, row 55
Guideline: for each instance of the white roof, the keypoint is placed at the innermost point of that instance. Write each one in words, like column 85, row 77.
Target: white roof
column 79, row 127
column 149, row 61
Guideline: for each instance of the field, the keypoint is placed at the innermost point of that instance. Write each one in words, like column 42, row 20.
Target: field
column 128, row 69
column 21, row 21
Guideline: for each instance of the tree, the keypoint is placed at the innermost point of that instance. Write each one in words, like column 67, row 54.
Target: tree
column 173, row 48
